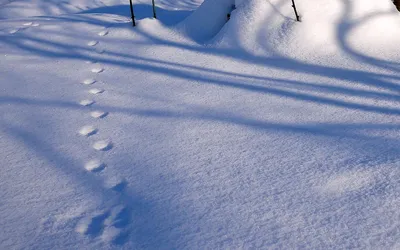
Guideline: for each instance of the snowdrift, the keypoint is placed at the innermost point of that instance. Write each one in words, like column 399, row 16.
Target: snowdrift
column 264, row 133
column 207, row 20
column 326, row 27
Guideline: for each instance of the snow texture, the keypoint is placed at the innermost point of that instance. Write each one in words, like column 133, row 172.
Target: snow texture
column 102, row 145
column 89, row 81
column 86, row 102
column 94, row 166
column 96, row 91
column 192, row 131
column 98, row 114
column 87, row 130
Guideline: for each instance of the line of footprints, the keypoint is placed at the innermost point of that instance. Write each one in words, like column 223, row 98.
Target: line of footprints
column 25, row 26
column 110, row 224
column 101, row 145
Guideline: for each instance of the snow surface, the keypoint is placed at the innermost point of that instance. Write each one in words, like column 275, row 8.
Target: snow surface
column 199, row 133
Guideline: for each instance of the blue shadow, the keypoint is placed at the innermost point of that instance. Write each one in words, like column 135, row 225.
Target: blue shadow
column 141, row 11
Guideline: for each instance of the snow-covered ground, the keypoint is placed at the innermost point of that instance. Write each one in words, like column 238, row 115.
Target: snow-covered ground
column 191, row 132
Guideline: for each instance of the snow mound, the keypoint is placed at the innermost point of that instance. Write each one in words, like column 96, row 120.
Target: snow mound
column 269, row 26
column 207, row 20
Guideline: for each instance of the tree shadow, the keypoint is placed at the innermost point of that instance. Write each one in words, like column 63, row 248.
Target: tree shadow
column 327, row 93
column 142, row 11
column 135, row 208
column 347, row 25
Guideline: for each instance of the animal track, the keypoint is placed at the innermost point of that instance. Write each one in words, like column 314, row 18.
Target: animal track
column 31, row 24
column 117, row 217
column 86, row 102
column 87, row 130
column 13, row 31
column 96, row 91
column 89, row 81
column 116, row 184
column 97, row 70
column 103, row 33
column 92, row 225
column 111, row 225
column 111, row 234
column 100, row 51
column 102, row 145
column 98, row 114
column 94, row 166
column 93, row 43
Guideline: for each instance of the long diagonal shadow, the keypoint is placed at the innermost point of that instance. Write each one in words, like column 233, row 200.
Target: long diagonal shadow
column 137, row 207
column 345, row 28
column 200, row 113
column 287, row 64
column 286, row 88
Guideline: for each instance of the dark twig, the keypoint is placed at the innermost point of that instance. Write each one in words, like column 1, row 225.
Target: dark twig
column 295, row 11
column 132, row 14
column 154, row 10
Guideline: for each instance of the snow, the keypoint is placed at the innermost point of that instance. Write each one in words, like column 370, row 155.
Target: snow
column 194, row 132
column 97, row 70
column 86, row 102
column 93, row 43
column 87, row 130
column 89, row 81
column 98, row 114
column 102, row 145
column 95, row 91
column 93, row 166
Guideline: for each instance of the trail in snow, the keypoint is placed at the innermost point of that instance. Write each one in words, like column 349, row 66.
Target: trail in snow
column 100, row 51
column 89, row 81
column 87, row 102
column 103, row 33
column 109, row 225
column 94, row 166
column 98, row 114
column 95, row 91
column 13, row 31
column 93, row 43
column 24, row 27
column 112, row 225
column 103, row 145
column 88, row 130
column 97, row 70
column 257, row 132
